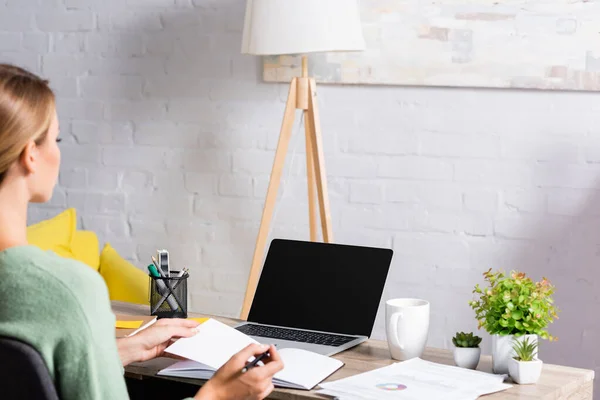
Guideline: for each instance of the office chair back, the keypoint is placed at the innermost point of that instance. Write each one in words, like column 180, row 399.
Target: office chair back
column 23, row 372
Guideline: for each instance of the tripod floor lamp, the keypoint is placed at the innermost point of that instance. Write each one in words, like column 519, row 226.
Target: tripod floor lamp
column 276, row 27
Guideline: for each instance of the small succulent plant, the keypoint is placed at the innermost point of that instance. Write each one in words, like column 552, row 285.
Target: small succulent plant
column 462, row 339
column 525, row 350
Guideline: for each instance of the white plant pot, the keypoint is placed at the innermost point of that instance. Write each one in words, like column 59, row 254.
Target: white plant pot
column 502, row 351
column 467, row 357
column 525, row 372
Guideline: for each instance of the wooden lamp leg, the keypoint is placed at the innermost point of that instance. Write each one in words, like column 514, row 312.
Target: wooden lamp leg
column 263, row 231
column 319, row 163
column 310, row 178
column 303, row 103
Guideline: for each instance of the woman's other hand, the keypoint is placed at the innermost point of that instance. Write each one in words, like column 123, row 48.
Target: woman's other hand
column 152, row 341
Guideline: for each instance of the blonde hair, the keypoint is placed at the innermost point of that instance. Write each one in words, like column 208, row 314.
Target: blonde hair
column 27, row 107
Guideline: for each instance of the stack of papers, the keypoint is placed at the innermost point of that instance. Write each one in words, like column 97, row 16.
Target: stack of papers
column 215, row 343
column 416, row 379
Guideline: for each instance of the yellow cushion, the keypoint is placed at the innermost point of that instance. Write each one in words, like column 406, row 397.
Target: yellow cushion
column 124, row 281
column 55, row 233
column 85, row 248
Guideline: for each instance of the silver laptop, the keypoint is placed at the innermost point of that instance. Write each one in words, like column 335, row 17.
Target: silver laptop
column 320, row 297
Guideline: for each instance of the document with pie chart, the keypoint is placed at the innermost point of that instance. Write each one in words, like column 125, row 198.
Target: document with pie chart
column 416, row 379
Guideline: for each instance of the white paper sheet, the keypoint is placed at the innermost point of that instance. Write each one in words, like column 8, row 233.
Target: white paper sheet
column 416, row 379
column 213, row 345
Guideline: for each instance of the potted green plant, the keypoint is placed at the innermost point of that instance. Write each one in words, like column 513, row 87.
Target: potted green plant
column 466, row 351
column 513, row 307
column 525, row 367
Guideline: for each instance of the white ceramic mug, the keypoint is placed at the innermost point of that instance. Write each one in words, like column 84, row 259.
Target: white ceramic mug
column 407, row 327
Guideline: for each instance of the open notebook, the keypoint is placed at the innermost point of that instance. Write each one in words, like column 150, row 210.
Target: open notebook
column 216, row 342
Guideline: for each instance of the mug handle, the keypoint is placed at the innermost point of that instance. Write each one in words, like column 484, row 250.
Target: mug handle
column 394, row 330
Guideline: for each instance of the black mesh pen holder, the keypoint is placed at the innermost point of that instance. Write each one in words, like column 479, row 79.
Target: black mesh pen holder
column 168, row 296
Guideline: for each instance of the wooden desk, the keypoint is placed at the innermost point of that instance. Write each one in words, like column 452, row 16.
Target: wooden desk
column 556, row 382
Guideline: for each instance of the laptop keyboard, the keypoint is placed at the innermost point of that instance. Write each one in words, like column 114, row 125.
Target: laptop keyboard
column 294, row 335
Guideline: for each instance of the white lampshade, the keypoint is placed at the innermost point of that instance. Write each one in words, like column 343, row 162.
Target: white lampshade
column 273, row 27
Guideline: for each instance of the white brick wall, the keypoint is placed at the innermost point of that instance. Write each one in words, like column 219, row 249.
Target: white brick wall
column 170, row 136
column 66, row 21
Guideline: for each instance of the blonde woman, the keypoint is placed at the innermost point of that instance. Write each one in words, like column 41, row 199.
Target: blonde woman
column 59, row 306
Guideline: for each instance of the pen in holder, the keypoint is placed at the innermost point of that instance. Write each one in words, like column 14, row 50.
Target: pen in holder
column 168, row 296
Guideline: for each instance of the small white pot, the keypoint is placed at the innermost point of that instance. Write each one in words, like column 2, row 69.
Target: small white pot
column 467, row 357
column 502, row 351
column 525, row 372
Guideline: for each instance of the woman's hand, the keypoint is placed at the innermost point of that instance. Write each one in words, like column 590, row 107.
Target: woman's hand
column 152, row 341
column 229, row 383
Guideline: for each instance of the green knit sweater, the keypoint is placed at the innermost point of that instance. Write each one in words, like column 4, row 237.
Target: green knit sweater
column 61, row 308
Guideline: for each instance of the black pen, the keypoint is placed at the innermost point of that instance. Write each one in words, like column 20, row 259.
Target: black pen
column 255, row 361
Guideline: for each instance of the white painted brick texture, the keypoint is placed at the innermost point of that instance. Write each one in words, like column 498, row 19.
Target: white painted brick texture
column 170, row 136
